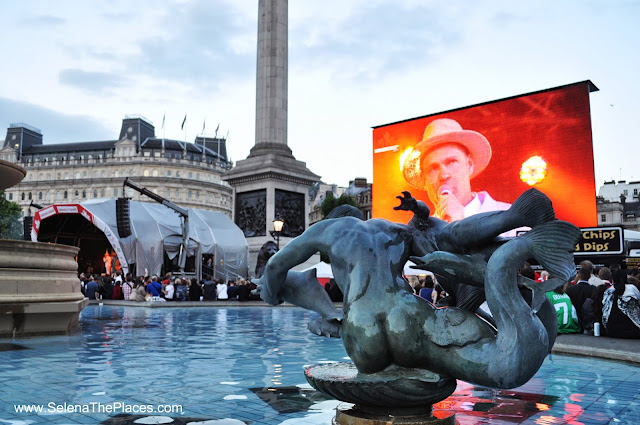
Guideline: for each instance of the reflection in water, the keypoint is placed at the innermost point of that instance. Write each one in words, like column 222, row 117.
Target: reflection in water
column 247, row 364
column 471, row 403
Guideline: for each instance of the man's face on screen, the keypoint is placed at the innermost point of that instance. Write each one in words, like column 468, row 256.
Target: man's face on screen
column 448, row 167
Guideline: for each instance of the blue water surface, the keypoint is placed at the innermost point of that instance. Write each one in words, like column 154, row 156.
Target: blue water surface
column 244, row 365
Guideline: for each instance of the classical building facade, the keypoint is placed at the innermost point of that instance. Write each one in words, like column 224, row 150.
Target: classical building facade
column 618, row 204
column 358, row 189
column 188, row 174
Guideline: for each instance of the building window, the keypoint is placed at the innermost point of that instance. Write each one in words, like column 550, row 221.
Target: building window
column 95, row 193
column 635, row 192
column 145, row 173
column 626, row 192
column 30, row 196
column 23, row 196
column 77, row 194
column 603, row 218
column 155, row 173
column 65, row 194
column 189, row 194
column 190, row 175
column 115, row 193
column 11, row 196
column 40, row 196
column 84, row 194
column 168, row 173
column 102, row 193
column 177, row 193
column 178, row 174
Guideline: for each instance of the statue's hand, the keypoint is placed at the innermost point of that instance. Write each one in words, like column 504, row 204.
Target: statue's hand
column 407, row 202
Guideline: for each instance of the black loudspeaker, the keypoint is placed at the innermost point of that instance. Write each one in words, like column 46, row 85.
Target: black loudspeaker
column 27, row 224
column 122, row 217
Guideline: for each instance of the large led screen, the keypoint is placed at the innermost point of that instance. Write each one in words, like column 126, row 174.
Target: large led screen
column 482, row 157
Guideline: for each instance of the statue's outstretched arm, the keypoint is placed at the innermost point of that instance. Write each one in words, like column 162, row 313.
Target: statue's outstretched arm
column 279, row 283
column 420, row 210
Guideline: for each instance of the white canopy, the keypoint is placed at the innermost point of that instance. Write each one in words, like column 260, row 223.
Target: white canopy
column 408, row 271
column 156, row 229
column 323, row 270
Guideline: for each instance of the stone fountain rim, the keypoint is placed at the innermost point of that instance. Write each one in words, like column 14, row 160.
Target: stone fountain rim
column 37, row 246
column 13, row 177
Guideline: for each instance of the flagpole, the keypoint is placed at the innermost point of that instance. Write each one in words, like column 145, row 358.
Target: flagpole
column 216, row 136
column 163, row 130
column 204, row 141
column 184, row 127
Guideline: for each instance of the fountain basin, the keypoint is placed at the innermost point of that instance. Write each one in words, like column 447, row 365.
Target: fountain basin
column 11, row 173
column 39, row 288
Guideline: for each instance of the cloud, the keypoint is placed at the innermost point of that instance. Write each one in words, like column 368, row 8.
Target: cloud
column 56, row 127
column 374, row 41
column 503, row 20
column 93, row 82
column 45, row 22
column 204, row 42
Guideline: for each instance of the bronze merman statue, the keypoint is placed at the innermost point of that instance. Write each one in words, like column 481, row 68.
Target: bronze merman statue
column 384, row 324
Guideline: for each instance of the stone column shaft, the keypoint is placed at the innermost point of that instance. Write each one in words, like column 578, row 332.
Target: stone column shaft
column 272, row 68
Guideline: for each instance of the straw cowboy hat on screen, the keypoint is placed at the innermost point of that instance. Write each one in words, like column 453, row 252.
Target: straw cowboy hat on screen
column 439, row 132
column 443, row 164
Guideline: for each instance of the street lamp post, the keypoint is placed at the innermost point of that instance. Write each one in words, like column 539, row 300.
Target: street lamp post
column 277, row 228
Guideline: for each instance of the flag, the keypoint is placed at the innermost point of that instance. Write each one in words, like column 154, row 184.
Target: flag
column 163, row 115
column 217, row 128
column 203, row 124
column 183, row 121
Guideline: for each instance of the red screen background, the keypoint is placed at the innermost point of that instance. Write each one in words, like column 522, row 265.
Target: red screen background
column 554, row 124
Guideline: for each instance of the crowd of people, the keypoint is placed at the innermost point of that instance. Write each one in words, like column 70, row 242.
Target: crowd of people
column 606, row 301
column 167, row 288
column 602, row 302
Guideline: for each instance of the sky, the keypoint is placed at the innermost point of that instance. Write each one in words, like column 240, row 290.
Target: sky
column 74, row 69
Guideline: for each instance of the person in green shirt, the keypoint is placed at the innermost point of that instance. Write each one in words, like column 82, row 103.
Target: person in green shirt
column 566, row 312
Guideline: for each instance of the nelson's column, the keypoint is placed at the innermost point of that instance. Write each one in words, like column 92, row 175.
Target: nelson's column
column 270, row 183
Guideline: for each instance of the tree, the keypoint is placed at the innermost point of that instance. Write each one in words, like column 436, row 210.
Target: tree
column 9, row 219
column 330, row 202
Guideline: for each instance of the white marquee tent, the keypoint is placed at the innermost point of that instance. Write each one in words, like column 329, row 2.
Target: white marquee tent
column 157, row 229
